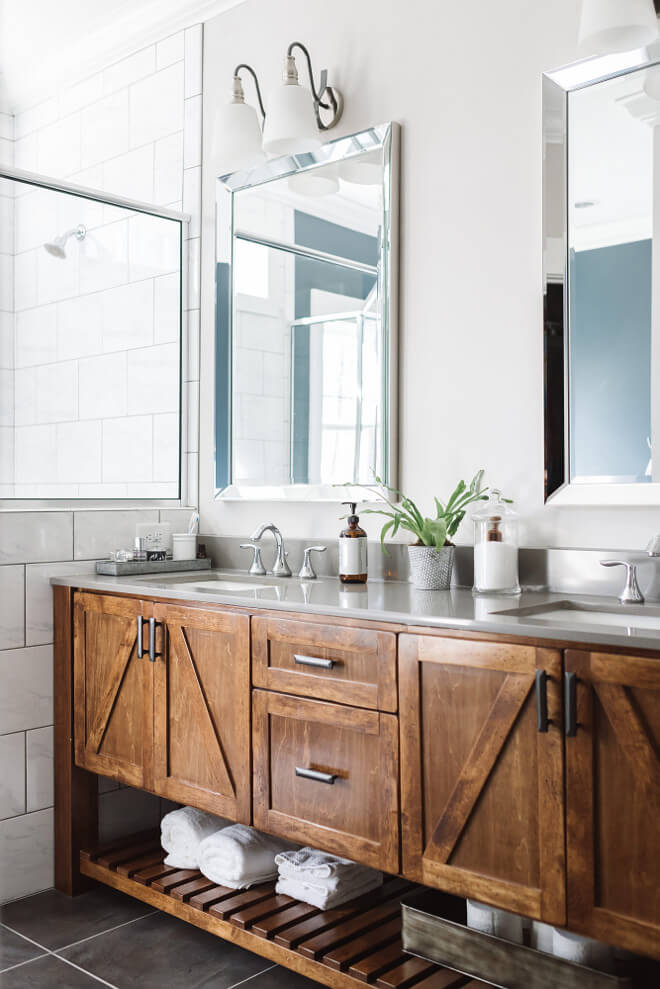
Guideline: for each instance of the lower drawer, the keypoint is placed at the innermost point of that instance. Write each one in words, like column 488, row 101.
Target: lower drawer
column 326, row 775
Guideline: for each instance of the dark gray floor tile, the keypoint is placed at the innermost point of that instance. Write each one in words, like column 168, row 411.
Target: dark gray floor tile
column 163, row 951
column 55, row 920
column 280, row 978
column 47, row 973
column 15, row 949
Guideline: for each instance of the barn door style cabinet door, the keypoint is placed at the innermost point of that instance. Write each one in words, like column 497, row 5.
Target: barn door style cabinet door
column 113, row 687
column 613, row 798
column 482, row 772
column 202, row 710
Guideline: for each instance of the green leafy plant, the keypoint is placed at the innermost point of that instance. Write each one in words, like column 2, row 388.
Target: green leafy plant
column 403, row 513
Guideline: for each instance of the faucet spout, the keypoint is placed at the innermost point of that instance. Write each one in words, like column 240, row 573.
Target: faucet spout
column 280, row 567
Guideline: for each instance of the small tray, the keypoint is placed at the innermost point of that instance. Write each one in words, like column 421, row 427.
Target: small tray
column 434, row 928
column 113, row 568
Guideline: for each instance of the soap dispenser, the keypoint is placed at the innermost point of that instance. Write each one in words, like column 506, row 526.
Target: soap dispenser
column 352, row 550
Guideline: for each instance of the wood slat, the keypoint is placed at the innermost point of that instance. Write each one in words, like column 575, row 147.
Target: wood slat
column 134, row 865
column 406, row 974
column 112, row 859
column 147, row 876
column 270, row 926
column 245, row 918
column 320, row 944
column 176, row 878
column 202, row 901
column 195, row 886
column 371, row 966
column 341, row 958
column 242, row 898
column 444, row 978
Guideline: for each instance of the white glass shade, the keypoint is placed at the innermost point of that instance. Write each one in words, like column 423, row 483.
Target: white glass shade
column 616, row 25
column 290, row 126
column 236, row 138
column 315, row 181
column 364, row 169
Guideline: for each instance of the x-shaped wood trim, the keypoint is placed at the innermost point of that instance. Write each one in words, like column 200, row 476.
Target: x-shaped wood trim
column 113, row 684
column 632, row 736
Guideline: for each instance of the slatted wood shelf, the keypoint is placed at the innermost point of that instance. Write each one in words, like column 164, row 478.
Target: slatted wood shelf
column 354, row 945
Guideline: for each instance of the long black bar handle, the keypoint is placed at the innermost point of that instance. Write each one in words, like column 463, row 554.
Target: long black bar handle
column 140, row 640
column 570, row 705
column 153, row 655
column 542, row 700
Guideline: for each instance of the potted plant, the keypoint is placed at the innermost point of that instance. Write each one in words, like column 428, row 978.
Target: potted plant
column 432, row 554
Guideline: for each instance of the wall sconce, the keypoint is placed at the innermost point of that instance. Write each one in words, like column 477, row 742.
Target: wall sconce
column 616, row 25
column 291, row 125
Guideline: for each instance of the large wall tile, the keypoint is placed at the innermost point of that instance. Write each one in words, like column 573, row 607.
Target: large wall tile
column 168, row 169
column 156, row 105
column 192, row 130
column 26, row 699
column 166, row 447
column 169, row 50
column 35, row 537
column 130, row 69
column 193, row 61
column 57, row 392
column 153, row 379
column 128, row 450
column 97, row 533
column 167, row 305
column 39, row 764
column 105, row 129
column 153, row 247
column 102, row 386
column 7, row 339
column 79, row 327
column 128, row 316
column 79, row 452
column 58, row 147
column 39, row 598
column 131, row 174
column 36, row 337
column 26, row 853
column 104, row 257
column 12, row 611
column 12, row 779
column 35, row 454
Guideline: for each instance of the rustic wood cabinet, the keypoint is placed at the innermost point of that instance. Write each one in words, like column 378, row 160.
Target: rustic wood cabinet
column 613, row 798
column 482, row 771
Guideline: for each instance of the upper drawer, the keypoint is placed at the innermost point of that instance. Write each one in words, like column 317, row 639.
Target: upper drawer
column 330, row 662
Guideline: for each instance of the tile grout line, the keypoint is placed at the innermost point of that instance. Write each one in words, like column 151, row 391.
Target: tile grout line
column 250, row 977
column 27, row 961
column 82, row 940
column 85, row 971
column 24, row 936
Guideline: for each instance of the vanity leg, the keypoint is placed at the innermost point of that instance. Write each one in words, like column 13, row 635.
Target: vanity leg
column 76, row 791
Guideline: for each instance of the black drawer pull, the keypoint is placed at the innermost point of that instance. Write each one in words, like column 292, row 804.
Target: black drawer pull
column 542, row 700
column 153, row 655
column 570, row 705
column 325, row 664
column 316, row 775
column 140, row 642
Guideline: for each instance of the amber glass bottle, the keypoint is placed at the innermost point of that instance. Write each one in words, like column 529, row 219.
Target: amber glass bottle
column 352, row 550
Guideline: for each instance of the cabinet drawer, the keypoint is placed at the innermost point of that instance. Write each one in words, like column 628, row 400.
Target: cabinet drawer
column 326, row 775
column 329, row 662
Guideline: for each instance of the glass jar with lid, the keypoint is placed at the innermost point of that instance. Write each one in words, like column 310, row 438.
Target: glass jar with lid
column 496, row 547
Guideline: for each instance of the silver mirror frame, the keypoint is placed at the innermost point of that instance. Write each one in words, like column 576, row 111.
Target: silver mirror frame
column 386, row 136
column 557, row 85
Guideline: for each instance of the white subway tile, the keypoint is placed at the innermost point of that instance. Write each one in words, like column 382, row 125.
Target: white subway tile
column 12, row 610
column 128, row 449
column 6, row 152
column 156, row 105
column 153, row 379
column 142, row 63
column 26, row 699
column 57, row 278
column 104, row 257
column 6, row 339
column 79, row 327
column 169, row 50
column 149, row 489
column 45, row 489
column 193, row 273
column 7, row 224
column 167, row 308
column 102, row 386
column 81, row 94
column 131, row 174
column 153, row 246
column 7, row 119
column 12, row 779
column 57, row 393
column 26, row 853
column 36, row 117
column 97, row 533
column 79, row 452
column 104, row 129
column 39, row 598
column 35, row 537
column 25, row 396
column 35, row 457
column 25, row 279
column 7, row 283
column 192, row 198
column 192, row 417
column 193, row 61
column 36, row 336
column 101, row 490
column 25, row 153
column 166, row 448
column 58, row 147
column 39, row 768
column 191, row 461
column 128, row 316
column 7, row 461
column 6, row 397
column 192, row 333
column 35, row 219
column 192, row 132
column 168, row 171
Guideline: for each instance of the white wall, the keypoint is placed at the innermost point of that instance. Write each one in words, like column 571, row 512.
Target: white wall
column 464, row 80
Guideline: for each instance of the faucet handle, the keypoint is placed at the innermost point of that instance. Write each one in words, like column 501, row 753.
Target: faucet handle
column 631, row 593
column 256, row 568
column 307, row 570
column 653, row 548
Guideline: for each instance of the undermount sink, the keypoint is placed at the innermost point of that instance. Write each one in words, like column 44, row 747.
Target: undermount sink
column 218, row 585
column 578, row 613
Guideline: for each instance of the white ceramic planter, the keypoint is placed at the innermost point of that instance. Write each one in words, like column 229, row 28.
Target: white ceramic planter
column 431, row 568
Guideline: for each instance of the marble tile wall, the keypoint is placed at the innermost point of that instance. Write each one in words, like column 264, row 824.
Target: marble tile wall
column 135, row 129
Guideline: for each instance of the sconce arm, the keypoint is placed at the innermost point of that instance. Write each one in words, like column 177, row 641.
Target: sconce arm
column 335, row 102
column 248, row 68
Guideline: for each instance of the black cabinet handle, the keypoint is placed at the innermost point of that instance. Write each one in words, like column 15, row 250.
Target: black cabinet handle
column 326, row 664
column 542, row 700
column 140, row 642
column 153, row 655
column 570, row 705
column 315, row 774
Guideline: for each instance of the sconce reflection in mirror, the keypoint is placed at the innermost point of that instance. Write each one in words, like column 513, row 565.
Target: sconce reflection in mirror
column 291, row 126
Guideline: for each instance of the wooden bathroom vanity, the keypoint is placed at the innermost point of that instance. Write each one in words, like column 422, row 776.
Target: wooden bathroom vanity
column 523, row 773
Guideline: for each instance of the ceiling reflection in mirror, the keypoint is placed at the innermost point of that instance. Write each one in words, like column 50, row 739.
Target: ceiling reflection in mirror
column 304, row 327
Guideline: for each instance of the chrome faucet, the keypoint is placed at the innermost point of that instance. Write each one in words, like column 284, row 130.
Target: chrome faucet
column 280, row 567
column 631, row 593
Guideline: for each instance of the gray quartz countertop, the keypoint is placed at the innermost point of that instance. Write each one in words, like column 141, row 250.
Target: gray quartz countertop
column 392, row 601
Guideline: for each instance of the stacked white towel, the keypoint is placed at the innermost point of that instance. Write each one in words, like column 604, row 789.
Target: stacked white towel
column 321, row 879
column 182, row 832
column 240, row 856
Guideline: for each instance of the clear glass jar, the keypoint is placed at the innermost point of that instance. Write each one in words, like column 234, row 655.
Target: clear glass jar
column 496, row 547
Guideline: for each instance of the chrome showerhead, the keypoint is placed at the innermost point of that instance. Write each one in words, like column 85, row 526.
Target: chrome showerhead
column 57, row 247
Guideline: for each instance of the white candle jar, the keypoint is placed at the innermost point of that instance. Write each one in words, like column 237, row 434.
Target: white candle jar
column 496, row 547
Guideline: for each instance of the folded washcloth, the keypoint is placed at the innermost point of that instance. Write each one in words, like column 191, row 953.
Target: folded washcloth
column 325, row 871
column 326, row 899
column 240, row 856
column 181, row 833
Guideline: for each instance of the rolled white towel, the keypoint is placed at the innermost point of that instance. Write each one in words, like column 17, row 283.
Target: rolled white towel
column 311, row 865
column 181, row 833
column 240, row 856
column 490, row 920
column 324, row 898
column 582, row 950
